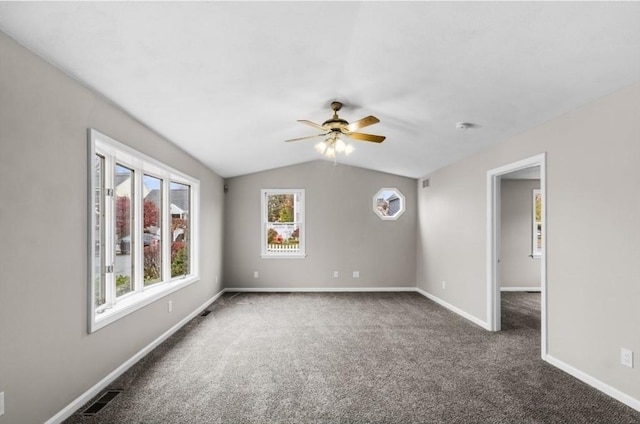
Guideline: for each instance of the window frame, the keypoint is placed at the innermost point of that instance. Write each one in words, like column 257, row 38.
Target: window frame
column 264, row 221
column 116, row 307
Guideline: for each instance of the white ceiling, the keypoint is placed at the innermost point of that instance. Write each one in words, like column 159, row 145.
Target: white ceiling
column 227, row 81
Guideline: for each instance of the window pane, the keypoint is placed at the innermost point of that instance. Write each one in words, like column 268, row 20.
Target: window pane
column 180, row 199
column 100, row 290
column 123, row 265
column 283, row 237
column 152, row 230
column 389, row 203
column 280, row 208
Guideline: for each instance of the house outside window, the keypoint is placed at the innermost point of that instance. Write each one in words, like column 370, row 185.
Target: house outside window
column 143, row 230
column 388, row 204
column 282, row 215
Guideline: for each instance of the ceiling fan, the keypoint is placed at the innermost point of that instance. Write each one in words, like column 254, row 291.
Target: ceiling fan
column 336, row 127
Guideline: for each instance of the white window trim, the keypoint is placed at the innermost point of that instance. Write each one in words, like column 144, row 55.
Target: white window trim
column 263, row 234
column 142, row 164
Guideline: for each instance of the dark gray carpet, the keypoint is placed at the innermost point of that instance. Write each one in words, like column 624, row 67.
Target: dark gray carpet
column 353, row 358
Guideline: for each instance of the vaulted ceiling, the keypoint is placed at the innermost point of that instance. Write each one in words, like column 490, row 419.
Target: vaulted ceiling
column 226, row 81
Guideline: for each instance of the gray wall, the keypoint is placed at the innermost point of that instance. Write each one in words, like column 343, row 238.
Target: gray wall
column 517, row 268
column 593, row 217
column 343, row 233
column 47, row 359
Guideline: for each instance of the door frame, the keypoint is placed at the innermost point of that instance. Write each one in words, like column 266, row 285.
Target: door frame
column 494, row 177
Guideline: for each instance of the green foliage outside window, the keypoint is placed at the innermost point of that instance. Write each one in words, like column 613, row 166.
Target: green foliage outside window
column 179, row 259
column 280, row 207
column 538, row 208
column 122, row 284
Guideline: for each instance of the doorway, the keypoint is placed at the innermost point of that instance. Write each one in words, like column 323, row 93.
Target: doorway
column 494, row 179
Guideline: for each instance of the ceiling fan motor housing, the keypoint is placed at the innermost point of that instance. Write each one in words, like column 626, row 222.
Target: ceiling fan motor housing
column 335, row 123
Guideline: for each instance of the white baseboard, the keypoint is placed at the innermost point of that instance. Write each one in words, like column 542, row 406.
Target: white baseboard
column 452, row 308
column 521, row 289
column 318, row 289
column 594, row 382
column 102, row 384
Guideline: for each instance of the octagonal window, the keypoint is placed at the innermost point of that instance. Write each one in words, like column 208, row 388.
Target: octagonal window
column 388, row 203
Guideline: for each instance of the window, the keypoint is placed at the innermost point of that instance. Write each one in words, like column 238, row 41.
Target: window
column 143, row 243
column 283, row 231
column 180, row 235
column 152, row 231
column 388, row 203
column 536, row 230
column 124, row 223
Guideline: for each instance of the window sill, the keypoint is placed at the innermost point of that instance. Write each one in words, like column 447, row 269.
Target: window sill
column 272, row 256
column 132, row 303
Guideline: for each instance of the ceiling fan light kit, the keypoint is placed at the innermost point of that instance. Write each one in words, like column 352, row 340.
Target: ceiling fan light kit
column 336, row 127
column 333, row 145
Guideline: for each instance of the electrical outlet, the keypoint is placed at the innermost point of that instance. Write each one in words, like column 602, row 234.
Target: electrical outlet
column 356, row 274
column 335, row 274
column 255, row 274
column 626, row 357
column 444, row 284
column 2, row 403
column 170, row 306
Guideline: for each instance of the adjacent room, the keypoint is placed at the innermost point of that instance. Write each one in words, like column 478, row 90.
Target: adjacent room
column 319, row 212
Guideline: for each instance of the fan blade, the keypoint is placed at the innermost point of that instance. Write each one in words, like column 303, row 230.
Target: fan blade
column 364, row 122
column 366, row 137
column 314, row 125
column 304, row 138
